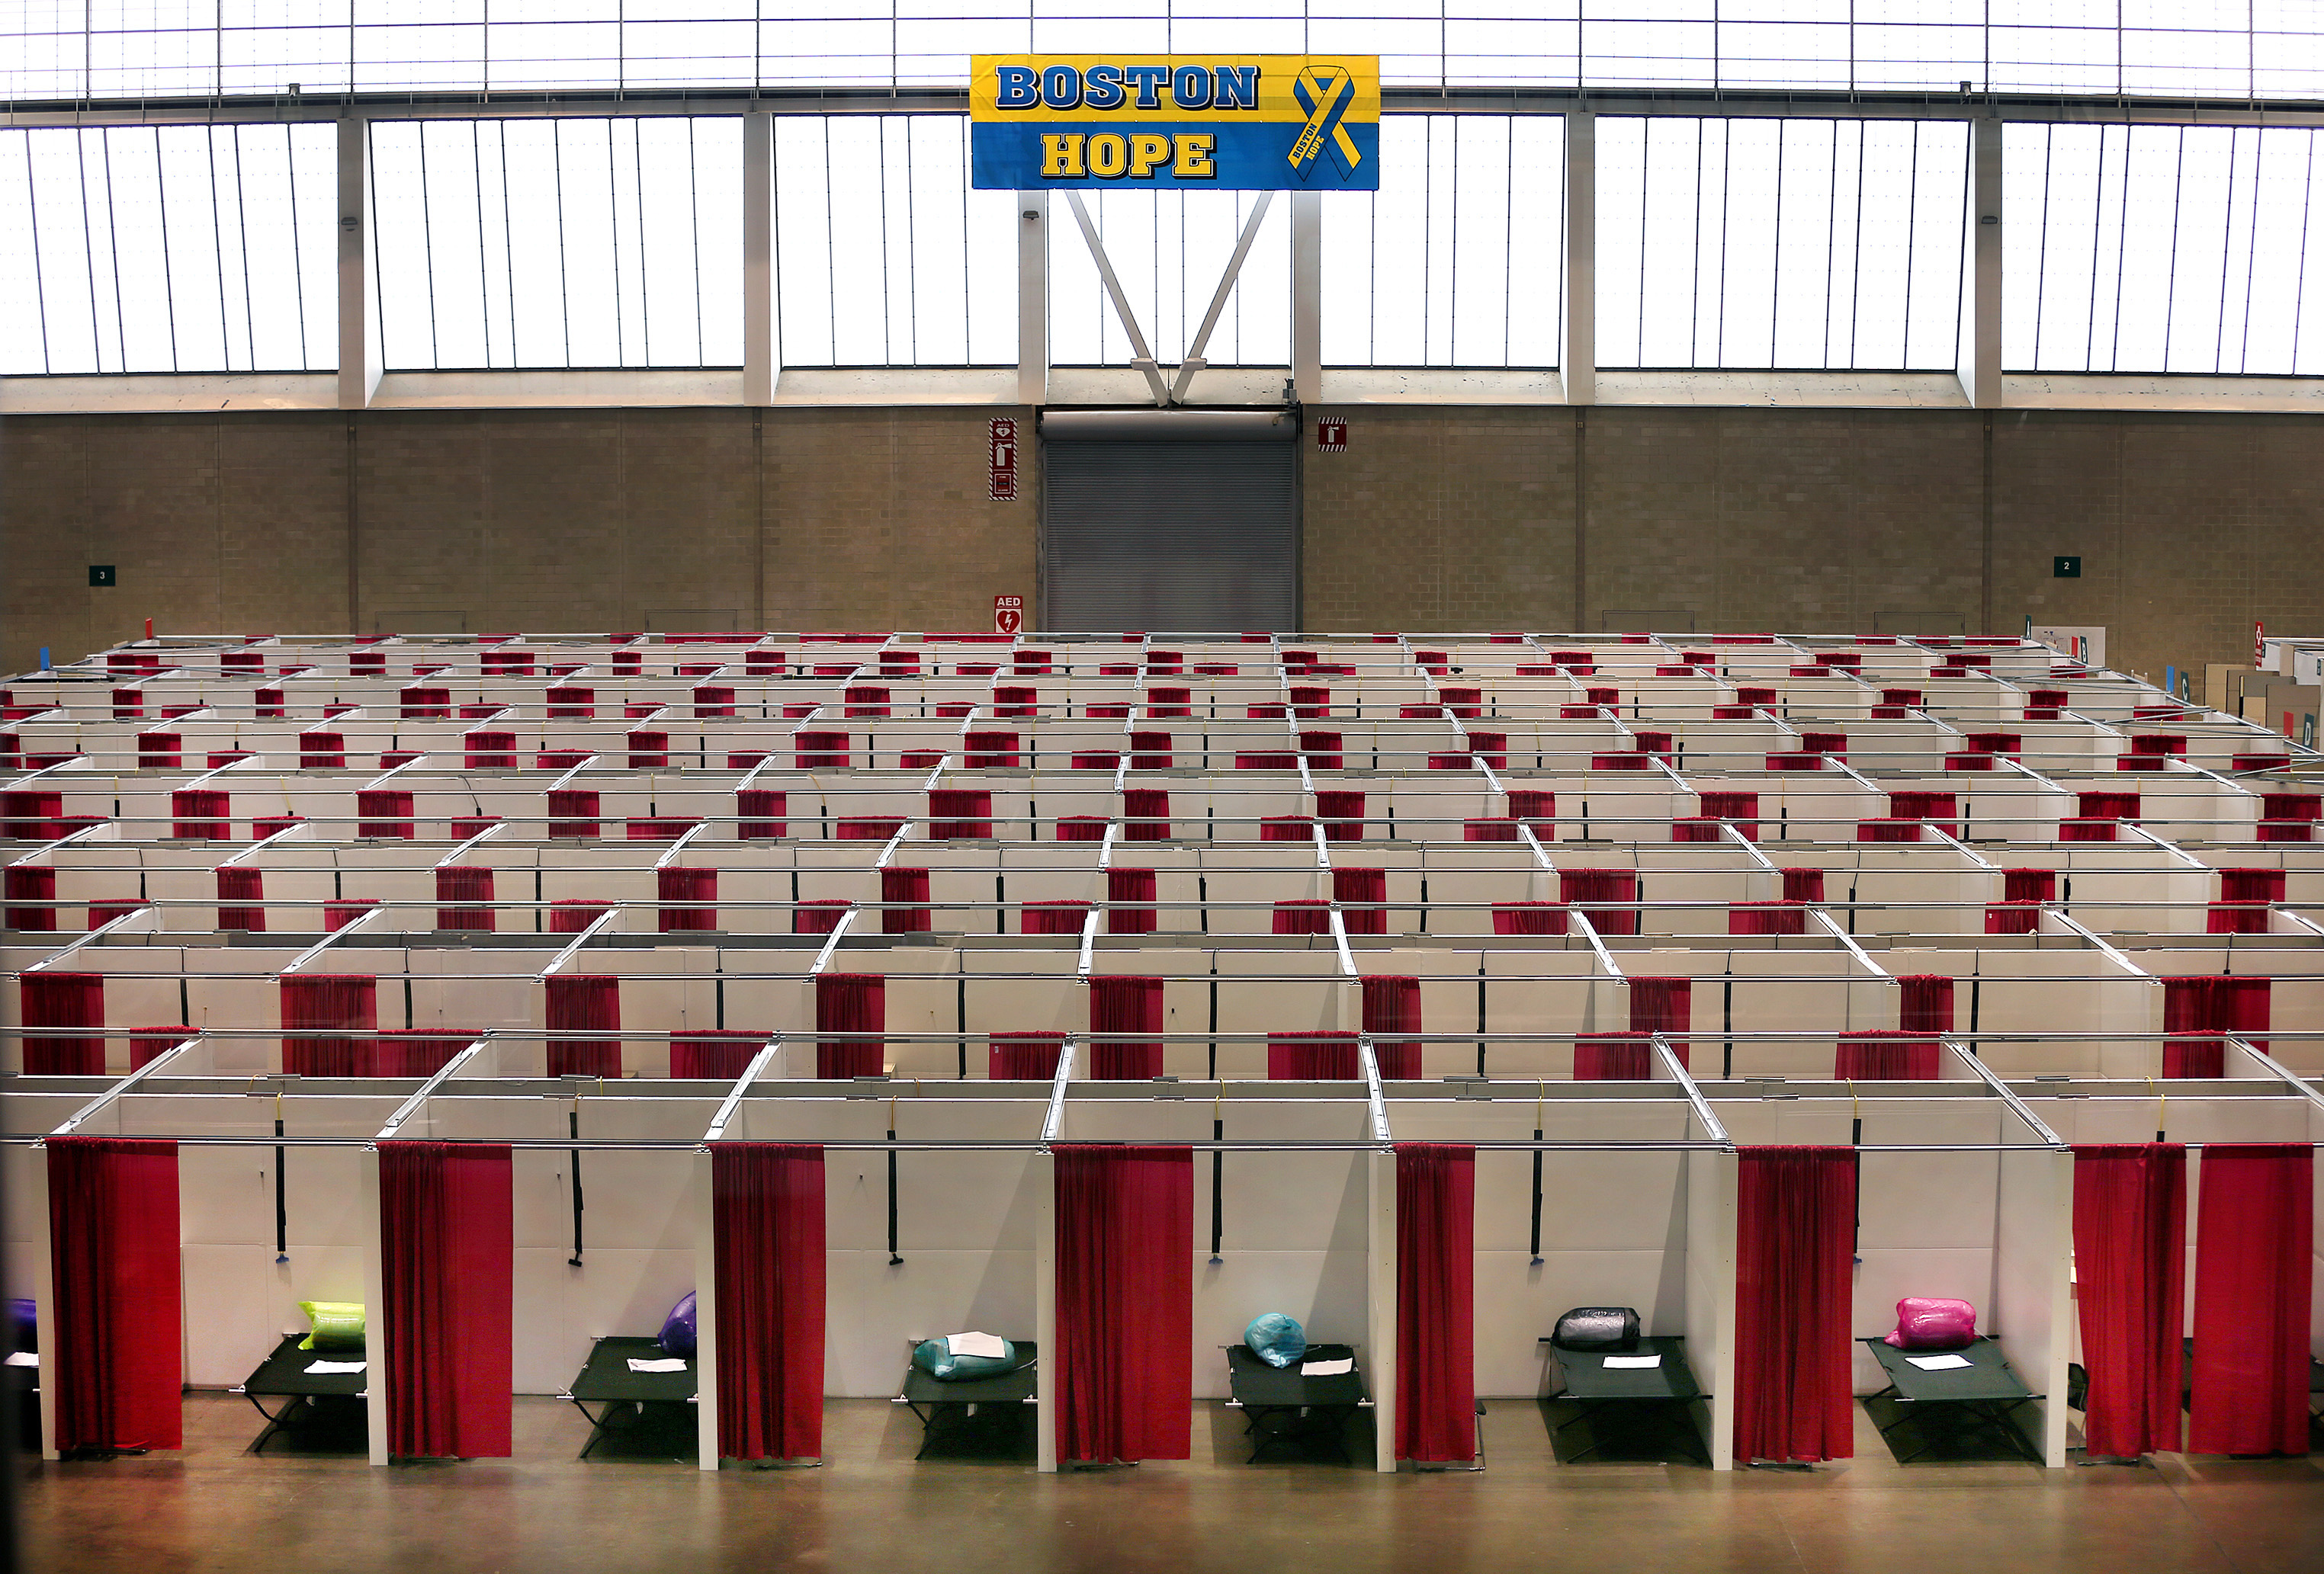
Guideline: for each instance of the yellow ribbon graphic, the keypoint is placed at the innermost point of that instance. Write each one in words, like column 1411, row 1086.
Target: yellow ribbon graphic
column 1325, row 92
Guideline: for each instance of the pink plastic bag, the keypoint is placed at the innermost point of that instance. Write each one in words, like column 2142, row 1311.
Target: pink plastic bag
column 1925, row 1322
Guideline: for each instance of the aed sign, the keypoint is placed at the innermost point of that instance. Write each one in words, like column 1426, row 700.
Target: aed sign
column 1007, row 615
column 1260, row 123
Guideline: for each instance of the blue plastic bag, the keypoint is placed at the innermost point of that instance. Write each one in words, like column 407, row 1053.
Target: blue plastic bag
column 677, row 1328
column 1275, row 1338
column 934, row 1357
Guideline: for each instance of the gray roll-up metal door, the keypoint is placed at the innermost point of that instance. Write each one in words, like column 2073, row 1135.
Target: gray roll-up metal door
column 1198, row 533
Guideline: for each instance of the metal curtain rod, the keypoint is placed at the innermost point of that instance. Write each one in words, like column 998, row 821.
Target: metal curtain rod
column 1712, row 102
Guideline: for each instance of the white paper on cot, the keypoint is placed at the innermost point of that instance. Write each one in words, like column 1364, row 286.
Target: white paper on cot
column 1621, row 1362
column 975, row 1344
column 673, row 1364
column 1940, row 1362
column 24, row 1357
column 327, row 1368
column 1339, row 1369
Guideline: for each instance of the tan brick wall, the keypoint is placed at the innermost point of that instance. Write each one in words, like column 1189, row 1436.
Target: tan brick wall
column 2188, row 526
column 503, row 521
column 1823, row 521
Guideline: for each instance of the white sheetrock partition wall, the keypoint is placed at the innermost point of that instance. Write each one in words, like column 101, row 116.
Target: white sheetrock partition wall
column 1894, row 791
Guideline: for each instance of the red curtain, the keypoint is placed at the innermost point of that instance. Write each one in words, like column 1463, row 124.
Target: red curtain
column 2130, row 1263
column 1435, row 1302
column 417, row 1052
column 1058, row 917
column 1125, row 1247
column 2086, row 830
column 447, row 1249
column 1584, row 886
column 1612, row 1057
column 2253, row 1244
column 851, row 1003
column 148, row 1044
column 1149, row 751
column 1392, row 1005
column 867, row 828
column 2107, row 806
column 675, row 884
column 345, row 1001
column 63, row 999
column 1287, row 828
column 1536, row 806
column 1888, row 831
column 904, row 892
column 1294, row 1057
column 573, row 813
column 962, row 813
column 1943, row 808
column 337, row 915
column 1768, row 918
column 572, row 914
column 1302, row 915
column 2195, row 1008
column 245, row 887
column 1324, row 751
column 1024, row 1056
column 1128, row 901
column 117, row 1313
column 1882, row 1055
column 2030, row 884
column 712, row 1053
column 819, row 750
column 322, row 750
column 1924, row 1003
column 490, row 749
column 767, row 1223
column 584, row 1002
column 471, row 887
column 818, row 917
column 1802, row 885
column 1795, row 1244
column 1661, row 1006
column 1742, row 808
column 2013, row 917
column 1145, row 814
column 1361, row 894
column 2244, row 894
column 1530, row 918
column 1125, row 1003
column 383, row 812
column 201, row 814
column 1081, row 827
column 761, row 815
column 31, row 882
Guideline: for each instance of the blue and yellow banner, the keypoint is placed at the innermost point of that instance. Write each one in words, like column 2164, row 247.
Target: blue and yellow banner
column 1257, row 122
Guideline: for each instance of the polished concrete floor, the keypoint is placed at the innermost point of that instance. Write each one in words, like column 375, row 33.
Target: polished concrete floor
column 872, row 1507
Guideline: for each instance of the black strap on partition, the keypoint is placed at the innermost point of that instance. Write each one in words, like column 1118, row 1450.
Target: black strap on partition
column 282, row 1195
column 1726, row 1021
column 1218, row 1183
column 1214, row 1019
column 1536, row 1198
column 573, row 1124
column 894, row 1257
column 1481, row 1015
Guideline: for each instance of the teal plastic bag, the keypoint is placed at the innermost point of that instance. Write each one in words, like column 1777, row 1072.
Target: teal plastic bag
column 934, row 1357
column 1275, row 1338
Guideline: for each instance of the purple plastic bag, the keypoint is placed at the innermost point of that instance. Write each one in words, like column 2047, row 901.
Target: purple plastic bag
column 1927, row 1323
column 677, row 1328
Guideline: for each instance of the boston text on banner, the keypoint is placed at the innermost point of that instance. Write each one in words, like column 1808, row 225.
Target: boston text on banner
column 1257, row 123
